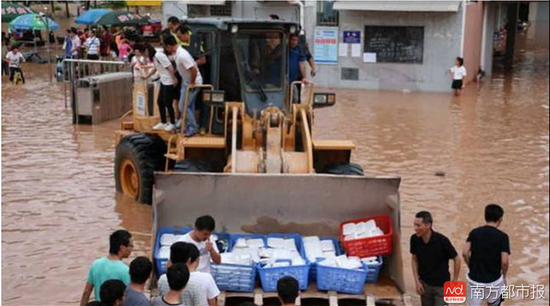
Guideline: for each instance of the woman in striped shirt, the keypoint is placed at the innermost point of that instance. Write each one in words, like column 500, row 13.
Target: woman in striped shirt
column 93, row 45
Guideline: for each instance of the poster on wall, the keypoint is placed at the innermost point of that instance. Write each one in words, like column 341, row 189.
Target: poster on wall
column 352, row 37
column 356, row 50
column 326, row 45
column 344, row 48
column 370, row 58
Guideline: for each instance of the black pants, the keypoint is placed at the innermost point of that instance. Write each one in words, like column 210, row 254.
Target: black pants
column 5, row 68
column 14, row 70
column 93, row 57
column 165, row 101
column 297, row 94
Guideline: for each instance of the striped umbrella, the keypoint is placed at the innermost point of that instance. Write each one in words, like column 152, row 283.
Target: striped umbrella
column 10, row 11
column 120, row 19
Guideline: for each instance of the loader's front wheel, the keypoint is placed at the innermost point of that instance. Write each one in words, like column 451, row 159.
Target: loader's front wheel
column 347, row 169
column 137, row 158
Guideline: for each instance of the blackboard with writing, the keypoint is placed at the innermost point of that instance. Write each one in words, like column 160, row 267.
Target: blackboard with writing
column 395, row 44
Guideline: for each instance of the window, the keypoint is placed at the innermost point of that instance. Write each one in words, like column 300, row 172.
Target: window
column 326, row 15
column 222, row 10
column 196, row 11
column 261, row 56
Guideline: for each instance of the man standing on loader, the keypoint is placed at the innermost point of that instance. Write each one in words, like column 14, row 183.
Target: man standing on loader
column 297, row 65
column 191, row 77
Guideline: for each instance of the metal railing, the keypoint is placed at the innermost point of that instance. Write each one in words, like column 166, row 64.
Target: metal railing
column 75, row 69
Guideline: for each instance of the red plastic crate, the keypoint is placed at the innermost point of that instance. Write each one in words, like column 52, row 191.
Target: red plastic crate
column 370, row 247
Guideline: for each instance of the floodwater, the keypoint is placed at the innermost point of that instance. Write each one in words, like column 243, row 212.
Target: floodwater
column 59, row 203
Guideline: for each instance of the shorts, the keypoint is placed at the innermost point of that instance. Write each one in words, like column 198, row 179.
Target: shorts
column 457, row 84
column 491, row 293
column 433, row 296
column 93, row 57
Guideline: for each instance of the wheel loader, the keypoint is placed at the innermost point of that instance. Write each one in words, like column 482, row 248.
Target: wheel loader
column 256, row 167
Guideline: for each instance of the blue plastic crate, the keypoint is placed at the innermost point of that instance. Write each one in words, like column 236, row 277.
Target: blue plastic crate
column 270, row 276
column 341, row 280
column 160, row 263
column 374, row 271
column 235, row 278
column 313, row 270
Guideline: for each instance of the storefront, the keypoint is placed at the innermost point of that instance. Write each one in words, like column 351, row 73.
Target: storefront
column 395, row 45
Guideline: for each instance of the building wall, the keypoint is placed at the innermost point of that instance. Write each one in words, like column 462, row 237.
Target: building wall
column 173, row 8
column 539, row 16
column 442, row 43
column 262, row 10
column 473, row 38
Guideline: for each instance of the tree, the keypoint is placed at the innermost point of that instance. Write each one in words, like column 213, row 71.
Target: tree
column 67, row 9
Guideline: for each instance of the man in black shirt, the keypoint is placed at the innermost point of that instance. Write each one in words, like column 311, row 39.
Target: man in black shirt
column 487, row 253
column 431, row 253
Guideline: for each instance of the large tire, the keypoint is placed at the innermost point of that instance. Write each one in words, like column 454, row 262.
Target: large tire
column 137, row 158
column 347, row 169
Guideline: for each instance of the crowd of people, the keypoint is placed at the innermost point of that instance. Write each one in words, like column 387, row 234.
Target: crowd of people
column 188, row 280
column 99, row 43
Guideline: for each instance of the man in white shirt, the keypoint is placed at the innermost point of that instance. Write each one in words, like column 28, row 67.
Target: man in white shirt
column 200, row 237
column 204, row 279
column 194, row 293
column 458, row 73
column 14, row 59
column 76, row 43
column 191, row 77
column 92, row 44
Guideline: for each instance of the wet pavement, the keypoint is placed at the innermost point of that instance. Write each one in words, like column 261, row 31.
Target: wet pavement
column 59, row 203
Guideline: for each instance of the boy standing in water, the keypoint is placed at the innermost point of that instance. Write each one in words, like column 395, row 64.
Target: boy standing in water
column 14, row 58
column 458, row 72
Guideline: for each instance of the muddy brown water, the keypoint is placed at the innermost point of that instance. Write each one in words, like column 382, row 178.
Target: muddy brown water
column 59, row 202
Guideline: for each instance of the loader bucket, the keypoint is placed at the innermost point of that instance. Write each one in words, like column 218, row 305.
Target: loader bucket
column 252, row 203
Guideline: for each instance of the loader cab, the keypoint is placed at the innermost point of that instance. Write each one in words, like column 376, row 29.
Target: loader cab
column 245, row 59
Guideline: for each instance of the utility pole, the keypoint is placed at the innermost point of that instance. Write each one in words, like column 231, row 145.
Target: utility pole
column 44, row 18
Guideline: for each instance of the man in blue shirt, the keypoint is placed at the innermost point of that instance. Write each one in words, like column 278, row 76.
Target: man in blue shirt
column 297, row 61
column 297, row 65
column 68, row 45
column 109, row 267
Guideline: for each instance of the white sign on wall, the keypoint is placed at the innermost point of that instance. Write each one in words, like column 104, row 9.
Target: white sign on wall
column 326, row 45
column 140, row 104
